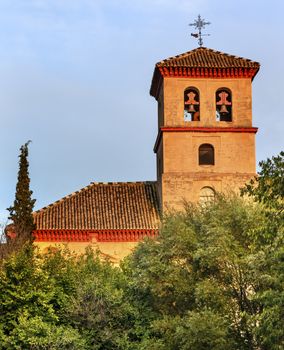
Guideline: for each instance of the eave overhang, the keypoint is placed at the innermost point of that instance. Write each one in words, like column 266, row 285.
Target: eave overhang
column 107, row 235
column 197, row 73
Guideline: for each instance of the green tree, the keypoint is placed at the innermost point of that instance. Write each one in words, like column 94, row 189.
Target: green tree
column 204, row 281
column 200, row 330
column 24, row 288
column 22, row 209
column 268, row 186
column 59, row 300
column 268, row 189
column 35, row 290
column 98, row 307
column 36, row 334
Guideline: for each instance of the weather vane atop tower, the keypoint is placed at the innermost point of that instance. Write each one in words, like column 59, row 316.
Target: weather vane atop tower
column 199, row 24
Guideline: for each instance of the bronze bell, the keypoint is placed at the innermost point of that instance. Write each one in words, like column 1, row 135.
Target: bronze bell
column 191, row 108
column 223, row 109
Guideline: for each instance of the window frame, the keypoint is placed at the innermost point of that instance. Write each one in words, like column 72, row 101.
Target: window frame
column 202, row 157
column 206, row 199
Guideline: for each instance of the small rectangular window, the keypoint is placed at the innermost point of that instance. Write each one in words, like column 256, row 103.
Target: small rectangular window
column 206, row 155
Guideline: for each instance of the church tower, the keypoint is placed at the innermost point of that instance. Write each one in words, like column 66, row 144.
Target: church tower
column 205, row 141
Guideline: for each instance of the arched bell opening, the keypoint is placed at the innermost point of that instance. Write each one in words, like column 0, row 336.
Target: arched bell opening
column 224, row 105
column 191, row 104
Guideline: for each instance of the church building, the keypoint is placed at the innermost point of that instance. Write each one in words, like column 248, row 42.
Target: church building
column 205, row 143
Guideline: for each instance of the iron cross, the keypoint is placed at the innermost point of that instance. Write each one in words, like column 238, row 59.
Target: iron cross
column 199, row 24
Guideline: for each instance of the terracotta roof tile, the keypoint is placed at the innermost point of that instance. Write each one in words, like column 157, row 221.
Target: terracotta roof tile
column 202, row 62
column 203, row 57
column 130, row 205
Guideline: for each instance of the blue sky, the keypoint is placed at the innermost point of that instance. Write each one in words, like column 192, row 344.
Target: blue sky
column 75, row 78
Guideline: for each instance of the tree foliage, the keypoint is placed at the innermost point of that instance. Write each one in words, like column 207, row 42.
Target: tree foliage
column 61, row 301
column 202, row 266
column 268, row 187
column 22, row 209
column 212, row 279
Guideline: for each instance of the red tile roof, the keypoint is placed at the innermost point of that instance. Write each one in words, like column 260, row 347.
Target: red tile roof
column 202, row 63
column 203, row 57
column 101, row 206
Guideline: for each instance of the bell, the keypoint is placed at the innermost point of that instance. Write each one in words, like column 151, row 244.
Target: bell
column 223, row 109
column 191, row 108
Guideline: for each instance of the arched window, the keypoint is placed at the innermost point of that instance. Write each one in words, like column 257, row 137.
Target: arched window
column 191, row 104
column 223, row 105
column 206, row 154
column 207, row 195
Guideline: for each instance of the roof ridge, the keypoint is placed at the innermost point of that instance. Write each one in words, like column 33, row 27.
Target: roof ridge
column 177, row 56
column 228, row 54
column 120, row 182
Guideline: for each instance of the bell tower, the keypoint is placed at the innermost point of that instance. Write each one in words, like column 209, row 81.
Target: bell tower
column 205, row 141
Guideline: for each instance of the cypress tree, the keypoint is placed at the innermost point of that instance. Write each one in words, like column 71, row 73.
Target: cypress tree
column 21, row 211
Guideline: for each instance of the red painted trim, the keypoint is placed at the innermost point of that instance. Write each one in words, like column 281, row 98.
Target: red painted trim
column 251, row 130
column 200, row 73
column 125, row 235
column 217, row 73
column 62, row 235
column 112, row 235
column 207, row 129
